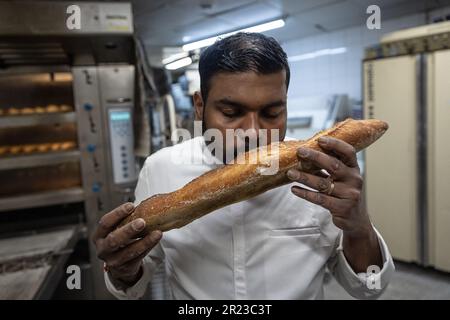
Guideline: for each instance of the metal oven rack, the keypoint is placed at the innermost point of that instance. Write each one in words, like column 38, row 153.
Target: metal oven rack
column 45, row 198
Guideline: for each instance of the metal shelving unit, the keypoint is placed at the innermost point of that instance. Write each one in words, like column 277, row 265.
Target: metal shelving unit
column 37, row 160
column 41, row 256
column 36, row 119
column 40, row 199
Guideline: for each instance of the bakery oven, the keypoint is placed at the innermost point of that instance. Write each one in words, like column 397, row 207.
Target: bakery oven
column 65, row 133
column 39, row 150
column 66, row 117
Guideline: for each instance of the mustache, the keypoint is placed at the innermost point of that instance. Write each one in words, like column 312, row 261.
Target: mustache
column 247, row 146
column 244, row 146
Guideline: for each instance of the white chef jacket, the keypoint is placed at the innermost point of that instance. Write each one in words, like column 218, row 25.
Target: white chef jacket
column 273, row 246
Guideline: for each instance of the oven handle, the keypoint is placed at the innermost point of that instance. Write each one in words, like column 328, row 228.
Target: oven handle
column 119, row 100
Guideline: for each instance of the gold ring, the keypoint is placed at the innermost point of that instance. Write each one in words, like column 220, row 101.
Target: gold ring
column 330, row 191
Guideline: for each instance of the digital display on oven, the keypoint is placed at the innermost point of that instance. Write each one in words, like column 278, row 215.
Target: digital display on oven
column 120, row 115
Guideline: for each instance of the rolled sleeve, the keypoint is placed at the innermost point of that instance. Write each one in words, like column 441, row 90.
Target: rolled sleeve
column 368, row 285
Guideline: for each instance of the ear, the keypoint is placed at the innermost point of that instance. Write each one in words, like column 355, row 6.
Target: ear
column 198, row 105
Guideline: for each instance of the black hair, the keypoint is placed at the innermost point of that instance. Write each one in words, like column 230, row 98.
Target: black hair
column 242, row 52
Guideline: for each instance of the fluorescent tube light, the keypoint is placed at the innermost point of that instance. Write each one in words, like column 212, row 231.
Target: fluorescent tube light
column 318, row 53
column 179, row 63
column 258, row 28
column 175, row 57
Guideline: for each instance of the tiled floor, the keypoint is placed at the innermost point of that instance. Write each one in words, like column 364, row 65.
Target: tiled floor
column 408, row 282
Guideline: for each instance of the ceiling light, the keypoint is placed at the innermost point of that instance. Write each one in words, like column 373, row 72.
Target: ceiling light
column 258, row 28
column 175, row 57
column 318, row 53
column 179, row 63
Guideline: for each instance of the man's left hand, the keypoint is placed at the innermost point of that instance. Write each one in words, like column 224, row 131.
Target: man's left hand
column 340, row 192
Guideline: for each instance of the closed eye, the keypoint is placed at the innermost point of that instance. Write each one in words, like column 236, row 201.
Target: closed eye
column 272, row 115
column 230, row 112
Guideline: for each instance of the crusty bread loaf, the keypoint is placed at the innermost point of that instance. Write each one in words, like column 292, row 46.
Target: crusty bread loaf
column 237, row 182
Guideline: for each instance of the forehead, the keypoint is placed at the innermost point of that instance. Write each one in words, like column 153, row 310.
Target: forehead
column 248, row 87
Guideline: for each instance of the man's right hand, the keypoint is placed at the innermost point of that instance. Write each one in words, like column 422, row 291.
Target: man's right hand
column 121, row 249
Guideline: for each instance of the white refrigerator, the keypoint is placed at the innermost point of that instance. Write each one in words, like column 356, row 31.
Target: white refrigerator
column 407, row 173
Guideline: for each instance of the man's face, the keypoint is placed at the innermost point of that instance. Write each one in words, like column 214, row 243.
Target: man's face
column 245, row 101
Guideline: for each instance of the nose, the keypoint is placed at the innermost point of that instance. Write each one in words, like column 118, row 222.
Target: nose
column 251, row 124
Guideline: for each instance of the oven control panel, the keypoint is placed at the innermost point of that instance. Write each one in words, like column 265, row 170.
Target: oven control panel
column 121, row 141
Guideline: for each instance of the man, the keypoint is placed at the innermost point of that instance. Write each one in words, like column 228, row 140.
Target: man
column 274, row 246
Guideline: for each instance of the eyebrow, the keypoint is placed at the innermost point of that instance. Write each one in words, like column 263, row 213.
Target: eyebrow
column 277, row 103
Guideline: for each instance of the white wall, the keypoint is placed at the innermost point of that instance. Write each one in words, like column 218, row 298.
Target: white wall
column 340, row 73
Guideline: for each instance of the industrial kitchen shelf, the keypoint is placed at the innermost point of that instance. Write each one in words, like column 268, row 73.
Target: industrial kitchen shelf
column 40, row 199
column 37, row 160
column 36, row 119
column 18, row 70
column 39, row 259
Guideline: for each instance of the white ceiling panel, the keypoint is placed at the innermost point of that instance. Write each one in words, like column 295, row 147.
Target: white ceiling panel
column 218, row 7
column 203, row 28
column 296, row 6
column 165, row 22
column 334, row 16
column 294, row 28
column 252, row 14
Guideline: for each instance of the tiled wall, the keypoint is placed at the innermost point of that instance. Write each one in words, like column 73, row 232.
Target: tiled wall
column 339, row 73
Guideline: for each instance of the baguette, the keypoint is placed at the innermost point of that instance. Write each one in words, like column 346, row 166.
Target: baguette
column 237, row 182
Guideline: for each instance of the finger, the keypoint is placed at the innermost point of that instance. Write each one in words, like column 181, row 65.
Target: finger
column 319, row 172
column 308, row 166
column 110, row 220
column 322, row 173
column 331, row 164
column 133, row 251
column 128, row 256
column 322, row 183
column 345, row 151
column 335, row 205
column 319, row 183
column 122, row 237
column 130, row 269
